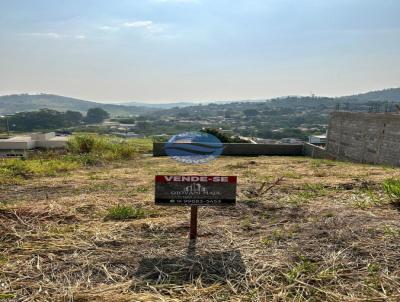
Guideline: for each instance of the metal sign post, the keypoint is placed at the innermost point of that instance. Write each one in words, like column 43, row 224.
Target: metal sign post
column 193, row 222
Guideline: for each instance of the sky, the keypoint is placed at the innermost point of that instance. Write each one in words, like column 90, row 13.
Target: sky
column 198, row 50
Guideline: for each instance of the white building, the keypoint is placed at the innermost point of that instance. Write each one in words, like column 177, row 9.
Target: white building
column 317, row 139
column 290, row 140
column 35, row 140
column 127, row 134
column 259, row 140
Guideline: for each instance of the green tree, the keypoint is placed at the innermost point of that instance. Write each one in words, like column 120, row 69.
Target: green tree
column 222, row 136
column 96, row 115
column 72, row 117
column 44, row 119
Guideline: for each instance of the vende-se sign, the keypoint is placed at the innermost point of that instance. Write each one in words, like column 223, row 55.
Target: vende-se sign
column 182, row 190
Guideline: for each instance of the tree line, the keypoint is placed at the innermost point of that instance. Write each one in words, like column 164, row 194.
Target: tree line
column 47, row 119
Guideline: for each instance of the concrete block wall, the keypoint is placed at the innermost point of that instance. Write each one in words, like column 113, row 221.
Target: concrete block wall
column 42, row 136
column 16, row 145
column 48, row 141
column 51, row 144
column 365, row 137
column 238, row 149
column 316, row 152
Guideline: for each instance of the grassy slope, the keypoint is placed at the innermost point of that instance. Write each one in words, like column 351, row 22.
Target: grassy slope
column 325, row 232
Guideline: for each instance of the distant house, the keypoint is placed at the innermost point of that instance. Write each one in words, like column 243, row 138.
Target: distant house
column 290, row 140
column 127, row 126
column 110, row 123
column 259, row 140
column 319, row 140
column 127, row 134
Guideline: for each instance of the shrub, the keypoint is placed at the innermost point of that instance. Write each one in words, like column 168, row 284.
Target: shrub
column 392, row 189
column 224, row 138
column 125, row 212
column 6, row 296
column 142, row 145
column 88, row 160
column 84, row 150
column 15, row 168
column 101, row 148
column 304, row 267
column 82, row 144
column 50, row 167
column 20, row 168
column 125, row 151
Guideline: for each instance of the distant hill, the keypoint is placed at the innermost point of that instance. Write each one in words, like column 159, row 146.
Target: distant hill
column 386, row 95
column 358, row 102
column 10, row 104
column 177, row 104
column 160, row 105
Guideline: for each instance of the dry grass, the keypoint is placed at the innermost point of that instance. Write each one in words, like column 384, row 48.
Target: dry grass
column 302, row 230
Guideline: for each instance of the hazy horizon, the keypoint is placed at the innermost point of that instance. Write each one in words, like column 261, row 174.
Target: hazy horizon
column 193, row 101
column 165, row 51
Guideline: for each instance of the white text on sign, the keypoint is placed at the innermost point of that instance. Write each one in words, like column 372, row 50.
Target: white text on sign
column 196, row 178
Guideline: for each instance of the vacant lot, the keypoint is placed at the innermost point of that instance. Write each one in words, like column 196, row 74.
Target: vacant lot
column 325, row 231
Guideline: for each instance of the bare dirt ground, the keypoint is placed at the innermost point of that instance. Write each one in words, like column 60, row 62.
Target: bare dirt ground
column 325, row 232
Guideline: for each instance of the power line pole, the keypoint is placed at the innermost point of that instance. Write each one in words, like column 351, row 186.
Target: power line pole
column 8, row 127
